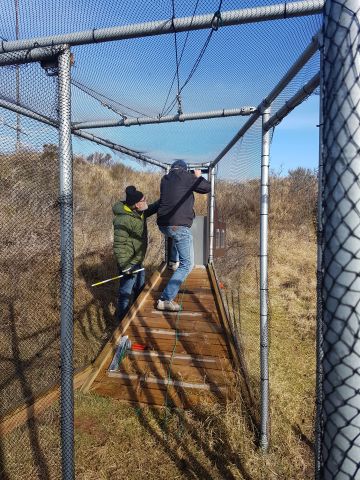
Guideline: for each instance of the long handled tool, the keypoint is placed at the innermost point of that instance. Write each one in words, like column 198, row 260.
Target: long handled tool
column 119, row 276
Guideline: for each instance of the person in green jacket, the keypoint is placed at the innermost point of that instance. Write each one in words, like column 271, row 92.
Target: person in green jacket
column 130, row 244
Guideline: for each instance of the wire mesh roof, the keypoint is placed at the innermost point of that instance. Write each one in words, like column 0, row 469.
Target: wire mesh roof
column 212, row 69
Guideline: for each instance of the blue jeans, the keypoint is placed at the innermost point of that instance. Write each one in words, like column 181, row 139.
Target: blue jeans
column 182, row 241
column 174, row 254
column 129, row 289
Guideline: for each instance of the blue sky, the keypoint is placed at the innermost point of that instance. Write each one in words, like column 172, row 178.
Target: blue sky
column 240, row 67
column 295, row 141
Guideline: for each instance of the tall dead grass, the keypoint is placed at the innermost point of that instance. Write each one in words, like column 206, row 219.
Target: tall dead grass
column 117, row 441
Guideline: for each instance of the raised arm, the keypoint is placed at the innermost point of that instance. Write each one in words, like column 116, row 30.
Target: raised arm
column 152, row 209
column 201, row 185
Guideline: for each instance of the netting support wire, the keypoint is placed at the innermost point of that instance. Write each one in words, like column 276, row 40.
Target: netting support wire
column 169, row 26
column 48, row 121
column 67, row 265
column 211, row 214
column 341, row 224
column 319, row 280
column 310, row 50
column 127, row 122
column 119, row 148
column 264, row 346
column 28, row 56
column 293, row 102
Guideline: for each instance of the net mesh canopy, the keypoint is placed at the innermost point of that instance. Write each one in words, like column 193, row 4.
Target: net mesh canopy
column 157, row 76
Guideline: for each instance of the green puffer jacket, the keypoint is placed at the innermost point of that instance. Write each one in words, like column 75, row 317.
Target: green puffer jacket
column 130, row 234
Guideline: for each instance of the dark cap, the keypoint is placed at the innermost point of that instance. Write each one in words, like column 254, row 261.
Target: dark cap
column 132, row 195
column 180, row 164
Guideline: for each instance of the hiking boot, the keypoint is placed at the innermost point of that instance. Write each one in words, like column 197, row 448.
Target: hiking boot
column 168, row 305
column 173, row 266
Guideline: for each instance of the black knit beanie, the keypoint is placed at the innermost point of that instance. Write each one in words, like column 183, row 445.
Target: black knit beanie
column 132, row 195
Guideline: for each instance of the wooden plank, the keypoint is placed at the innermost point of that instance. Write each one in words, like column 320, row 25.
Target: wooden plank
column 157, row 382
column 159, row 369
column 157, row 397
column 181, row 323
column 182, row 346
column 154, row 334
column 188, row 296
column 43, row 401
column 188, row 290
column 157, row 394
column 195, row 273
column 191, row 306
column 219, row 363
column 223, row 318
column 109, row 349
column 186, row 315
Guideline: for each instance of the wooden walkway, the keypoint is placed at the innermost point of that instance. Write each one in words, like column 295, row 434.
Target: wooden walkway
column 186, row 356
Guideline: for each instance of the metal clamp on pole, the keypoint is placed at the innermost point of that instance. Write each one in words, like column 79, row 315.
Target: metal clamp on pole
column 264, row 347
column 67, row 264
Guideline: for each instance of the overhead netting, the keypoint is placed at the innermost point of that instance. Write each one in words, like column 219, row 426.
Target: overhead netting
column 210, row 69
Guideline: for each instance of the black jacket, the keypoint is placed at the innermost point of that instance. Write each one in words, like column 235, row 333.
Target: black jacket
column 177, row 197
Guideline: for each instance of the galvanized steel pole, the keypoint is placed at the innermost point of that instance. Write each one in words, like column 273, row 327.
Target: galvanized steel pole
column 279, row 87
column 169, row 26
column 128, row 122
column 27, row 113
column 67, row 265
column 118, row 148
column 319, row 281
column 211, row 215
column 341, row 255
column 293, row 102
column 29, row 56
column 264, row 352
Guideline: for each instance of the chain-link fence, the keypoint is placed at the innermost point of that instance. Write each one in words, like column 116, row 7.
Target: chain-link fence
column 237, row 193
column 32, row 172
column 32, row 212
column 30, row 259
column 340, row 349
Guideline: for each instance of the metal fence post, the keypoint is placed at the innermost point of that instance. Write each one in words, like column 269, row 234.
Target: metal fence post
column 341, row 234
column 67, row 265
column 319, row 279
column 264, row 209
column 211, row 215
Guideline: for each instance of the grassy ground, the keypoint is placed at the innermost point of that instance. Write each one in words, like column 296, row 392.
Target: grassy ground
column 116, row 441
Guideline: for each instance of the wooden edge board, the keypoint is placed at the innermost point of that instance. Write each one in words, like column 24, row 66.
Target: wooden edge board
column 223, row 316
column 206, row 360
column 162, row 381
column 43, row 401
column 110, row 346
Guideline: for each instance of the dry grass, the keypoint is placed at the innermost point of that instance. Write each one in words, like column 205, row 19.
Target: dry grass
column 117, row 441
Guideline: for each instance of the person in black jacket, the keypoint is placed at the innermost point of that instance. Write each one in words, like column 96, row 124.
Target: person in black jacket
column 175, row 217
